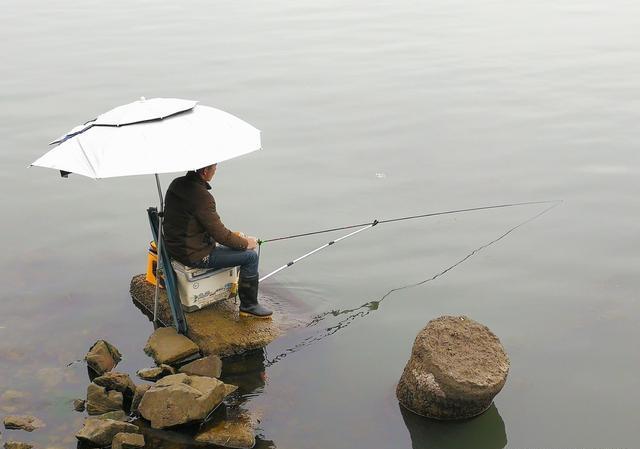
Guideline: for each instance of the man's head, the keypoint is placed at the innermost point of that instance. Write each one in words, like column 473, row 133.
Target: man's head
column 206, row 173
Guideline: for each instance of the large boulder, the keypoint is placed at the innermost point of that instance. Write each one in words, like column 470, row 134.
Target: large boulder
column 21, row 422
column 102, row 357
column 457, row 366
column 210, row 366
column 100, row 432
column 216, row 329
column 180, row 398
column 100, row 401
column 166, row 345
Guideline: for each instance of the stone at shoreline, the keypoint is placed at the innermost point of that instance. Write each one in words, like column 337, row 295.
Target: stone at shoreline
column 17, row 445
column 79, row 405
column 216, row 329
column 114, row 380
column 166, row 345
column 210, row 366
column 237, row 432
column 100, row 401
column 180, row 398
column 457, row 366
column 100, row 432
column 127, row 441
column 22, row 422
column 137, row 397
column 102, row 357
column 155, row 373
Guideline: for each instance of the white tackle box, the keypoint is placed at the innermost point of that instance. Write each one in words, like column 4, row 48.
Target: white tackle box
column 200, row 287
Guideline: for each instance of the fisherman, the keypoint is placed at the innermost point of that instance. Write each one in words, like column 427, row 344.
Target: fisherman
column 196, row 237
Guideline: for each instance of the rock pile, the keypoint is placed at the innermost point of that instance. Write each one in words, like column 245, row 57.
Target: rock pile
column 174, row 399
column 457, row 367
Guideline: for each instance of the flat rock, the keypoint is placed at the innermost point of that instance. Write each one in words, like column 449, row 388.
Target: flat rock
column 116, row 415
column 216, row 329
column 137, row 397
column 155, row 373
column 17, row 445
column 100, row 432
column 127, row 441
column 102, row 357
column 180, row 398
column 210, row 366
column 457, row 366
column 166, row 345
column 100, row 401
column 22, row 422
column 237, row 432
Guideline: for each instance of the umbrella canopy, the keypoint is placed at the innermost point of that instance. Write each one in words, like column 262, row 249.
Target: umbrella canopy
column 168, row 136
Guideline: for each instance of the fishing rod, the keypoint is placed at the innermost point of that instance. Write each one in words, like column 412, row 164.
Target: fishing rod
column 365, row 226
column 411, row 217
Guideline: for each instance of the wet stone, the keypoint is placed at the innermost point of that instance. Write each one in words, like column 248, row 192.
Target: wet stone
column 100, row 401
column 21, row 422
column 102, row 357
column 237, row 432
column 210, row 366
column 457, row 367
column 100, row 432
column 216, row 329
column 79, row 405
column 127, row 441
column 116, row 381
column 17, row 445
column 116, row 415
column 166, row 345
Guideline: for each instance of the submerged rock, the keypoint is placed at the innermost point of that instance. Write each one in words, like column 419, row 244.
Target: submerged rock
column 210, row 366
column 180, row 398
column 457, row 366
column 17, row 445
column 216, row 329
column 127, row 441
column 100, row 401
column 102, row 357
column 155, row 373
column 100, row 432
column 237, row 432
column 79, row 405
column 22, row 422
column 166, row 345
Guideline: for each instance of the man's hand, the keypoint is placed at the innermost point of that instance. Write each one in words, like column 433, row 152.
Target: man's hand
column 252, row 242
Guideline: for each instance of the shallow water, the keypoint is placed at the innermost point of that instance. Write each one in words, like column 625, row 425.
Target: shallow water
column 368, row 110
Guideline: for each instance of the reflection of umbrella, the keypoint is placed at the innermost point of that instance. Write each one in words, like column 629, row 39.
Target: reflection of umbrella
column 159, row 135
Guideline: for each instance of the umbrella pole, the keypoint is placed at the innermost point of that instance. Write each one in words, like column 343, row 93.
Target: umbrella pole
column 159, row 266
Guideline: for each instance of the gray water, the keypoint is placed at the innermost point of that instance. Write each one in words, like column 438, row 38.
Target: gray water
column 367, row 110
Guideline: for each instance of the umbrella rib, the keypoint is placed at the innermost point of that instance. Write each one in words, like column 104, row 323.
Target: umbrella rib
column 84, row 153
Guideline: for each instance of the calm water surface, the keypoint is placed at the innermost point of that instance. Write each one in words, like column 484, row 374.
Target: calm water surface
column 368, row 110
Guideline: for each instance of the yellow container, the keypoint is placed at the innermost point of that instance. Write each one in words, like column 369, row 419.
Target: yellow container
column 152, row 265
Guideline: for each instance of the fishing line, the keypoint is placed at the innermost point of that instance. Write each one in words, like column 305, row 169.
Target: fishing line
column 410, row 217
column 371, row 306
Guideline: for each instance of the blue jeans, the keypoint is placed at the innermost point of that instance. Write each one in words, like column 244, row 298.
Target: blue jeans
column 223, row 257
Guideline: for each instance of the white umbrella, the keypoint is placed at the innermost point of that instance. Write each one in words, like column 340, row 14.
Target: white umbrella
column 159, row 135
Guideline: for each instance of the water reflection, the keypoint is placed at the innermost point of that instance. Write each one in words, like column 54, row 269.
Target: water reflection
column 485, row 431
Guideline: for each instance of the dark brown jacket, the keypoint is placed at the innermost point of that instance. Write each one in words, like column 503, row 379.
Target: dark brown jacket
column 191, row 223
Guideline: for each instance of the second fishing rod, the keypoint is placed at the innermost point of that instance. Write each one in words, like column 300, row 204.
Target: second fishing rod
column 369, row 225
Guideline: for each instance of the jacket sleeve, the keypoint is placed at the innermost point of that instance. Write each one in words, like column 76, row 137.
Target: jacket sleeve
column 206, row 214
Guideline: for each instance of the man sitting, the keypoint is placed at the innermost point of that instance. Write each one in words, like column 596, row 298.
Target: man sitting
column 192, row 227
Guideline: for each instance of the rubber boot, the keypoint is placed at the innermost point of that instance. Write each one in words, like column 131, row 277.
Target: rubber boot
column 248, row 293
